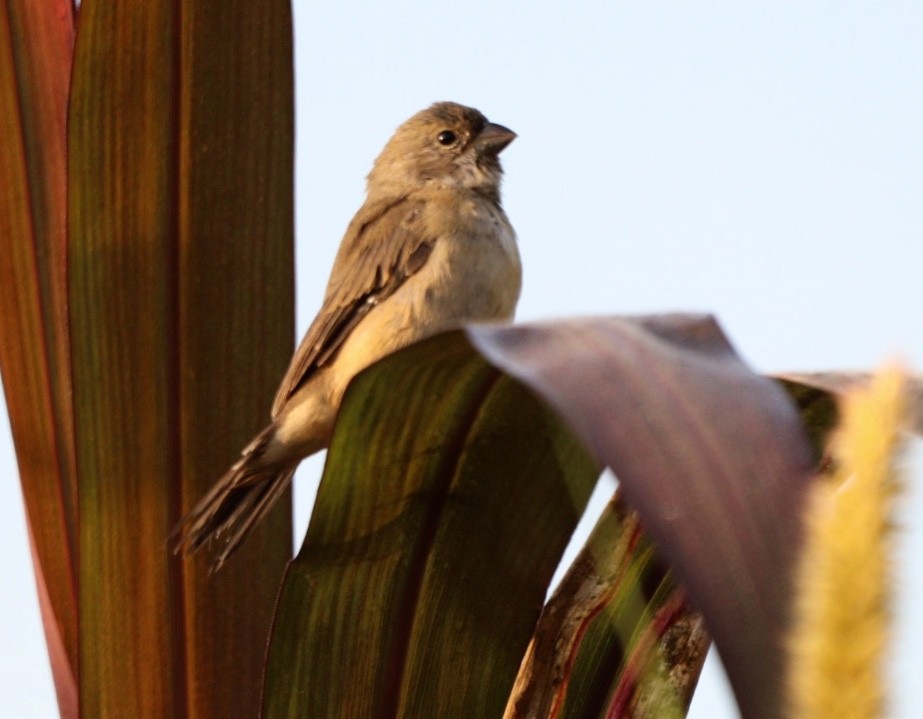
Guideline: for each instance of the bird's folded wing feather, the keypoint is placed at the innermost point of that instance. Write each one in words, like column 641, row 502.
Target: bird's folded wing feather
column 384, row 245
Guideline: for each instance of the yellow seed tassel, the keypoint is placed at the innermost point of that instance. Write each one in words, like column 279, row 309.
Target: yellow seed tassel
column 841, row 618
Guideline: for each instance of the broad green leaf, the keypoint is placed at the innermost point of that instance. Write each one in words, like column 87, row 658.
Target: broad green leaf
column 36, row 40
column 181, row 299
column 711, row 455
column 448, row 496
column 617, row 638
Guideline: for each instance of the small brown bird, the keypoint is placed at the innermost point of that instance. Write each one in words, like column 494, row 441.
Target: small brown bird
column 430, row 249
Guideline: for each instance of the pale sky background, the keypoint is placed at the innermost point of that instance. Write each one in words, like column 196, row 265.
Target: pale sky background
column 761, row 161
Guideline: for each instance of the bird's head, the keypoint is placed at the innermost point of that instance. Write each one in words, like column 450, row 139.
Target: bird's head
column 447, row 145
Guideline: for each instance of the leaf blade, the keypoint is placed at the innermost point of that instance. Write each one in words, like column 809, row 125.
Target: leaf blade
column 401, row 531
column 616, row 638
column 35, row 47
column 171, row 248
column 711, row 455
column 236, row 317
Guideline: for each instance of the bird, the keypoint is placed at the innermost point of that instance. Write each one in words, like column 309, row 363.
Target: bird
column 430, row 249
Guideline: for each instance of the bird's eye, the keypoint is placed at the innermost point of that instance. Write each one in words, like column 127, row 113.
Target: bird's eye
column 446, row 137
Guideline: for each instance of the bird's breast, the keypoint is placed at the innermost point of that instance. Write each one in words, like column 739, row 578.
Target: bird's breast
column 474, row 273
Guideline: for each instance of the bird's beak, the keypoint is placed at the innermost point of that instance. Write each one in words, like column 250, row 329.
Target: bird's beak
column 493, row 138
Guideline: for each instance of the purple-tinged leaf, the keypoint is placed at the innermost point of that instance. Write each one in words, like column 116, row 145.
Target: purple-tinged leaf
column 711, row 455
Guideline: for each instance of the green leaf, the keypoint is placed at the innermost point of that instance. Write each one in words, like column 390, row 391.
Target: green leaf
column 617, row 638
column 711, row 455
column 181, row 315
column 448, row 496
column 35, row 63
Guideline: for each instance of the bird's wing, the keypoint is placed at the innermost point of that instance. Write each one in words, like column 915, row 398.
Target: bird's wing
column 384, row 245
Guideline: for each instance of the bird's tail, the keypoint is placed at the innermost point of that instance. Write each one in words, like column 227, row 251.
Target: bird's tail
column 237, row 502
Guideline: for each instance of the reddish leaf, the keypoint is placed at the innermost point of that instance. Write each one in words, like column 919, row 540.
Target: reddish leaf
column 180, row 269
column 35, row 62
